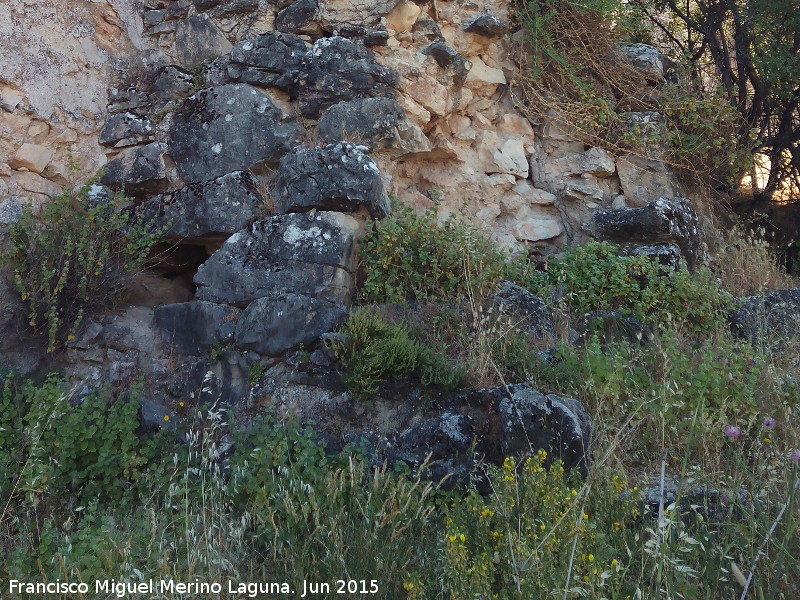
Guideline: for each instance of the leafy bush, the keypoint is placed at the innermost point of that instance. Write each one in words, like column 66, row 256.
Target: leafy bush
column 75, row 257
column 407, row 256
column 700, row 134
column 713, row 381
column 373, row 351
column 90, row 446
column 595, row 277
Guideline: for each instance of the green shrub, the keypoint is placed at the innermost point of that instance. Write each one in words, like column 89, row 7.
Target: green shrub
column 415, row 257
column 374, row 351
column 266, row 445
column 700, row 134
column 90, row 447
column 75, row 257
column 595, row 277
column 716, row 379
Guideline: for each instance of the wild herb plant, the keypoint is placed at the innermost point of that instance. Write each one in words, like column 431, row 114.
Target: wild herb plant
column 74, row 257
column 416, row 257
column 374, row 351
column 595, row 277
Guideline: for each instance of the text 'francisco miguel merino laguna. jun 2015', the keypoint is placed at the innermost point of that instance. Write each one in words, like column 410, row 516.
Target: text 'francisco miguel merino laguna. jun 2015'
column 108, row 588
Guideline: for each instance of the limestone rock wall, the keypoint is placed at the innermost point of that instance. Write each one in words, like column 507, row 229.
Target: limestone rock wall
column 427, row 87
column 58, row 61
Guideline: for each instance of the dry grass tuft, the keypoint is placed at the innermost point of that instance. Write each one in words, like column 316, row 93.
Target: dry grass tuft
column 747, row 265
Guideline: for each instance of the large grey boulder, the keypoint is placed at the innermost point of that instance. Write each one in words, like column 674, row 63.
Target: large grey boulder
column 299, row 17
column 444, row 443
column 307, row 254
column 339, row 177
column 646, row 59
column 664, row 220
column 487, row 25
column 194, row 327
column 513, row 421
column 274, row 324
column 595, row 161
column 771, row 319
column 228, row 128
column 338, row 69
column 377, row 123
column 530, row 420
column 221, row 206
column 272, row 59
column 350, row 17
column 530, row 313
column 142, row 171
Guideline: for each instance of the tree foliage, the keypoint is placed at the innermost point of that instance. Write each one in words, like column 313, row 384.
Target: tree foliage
column 750, row 50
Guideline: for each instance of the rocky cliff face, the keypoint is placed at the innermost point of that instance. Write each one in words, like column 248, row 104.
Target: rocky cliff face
column 59, row 61
column 259, row 135
column 166, row 93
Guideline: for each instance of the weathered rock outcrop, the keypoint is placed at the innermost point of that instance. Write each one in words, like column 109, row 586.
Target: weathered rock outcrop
column 664, row 220
column 771, row 319
column 124, row 129
column 221, row 206
column 337, row 69
column 195, row 327
column 272, row 59
column 307, row 254
column 449, row 434
column 58, row 65
column 529, row 312
column 214, row 96
column 271, row 325
column 339, row 177
column 453, row 440
column 644, row 180
column 646, row 59
column 141, row 171
column 424, row 87
column 377, row 123
column 228, row 128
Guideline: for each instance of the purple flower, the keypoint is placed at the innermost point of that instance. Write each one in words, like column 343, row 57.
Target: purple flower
column 732, row 432
column 795, row 456
column 769, row 423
